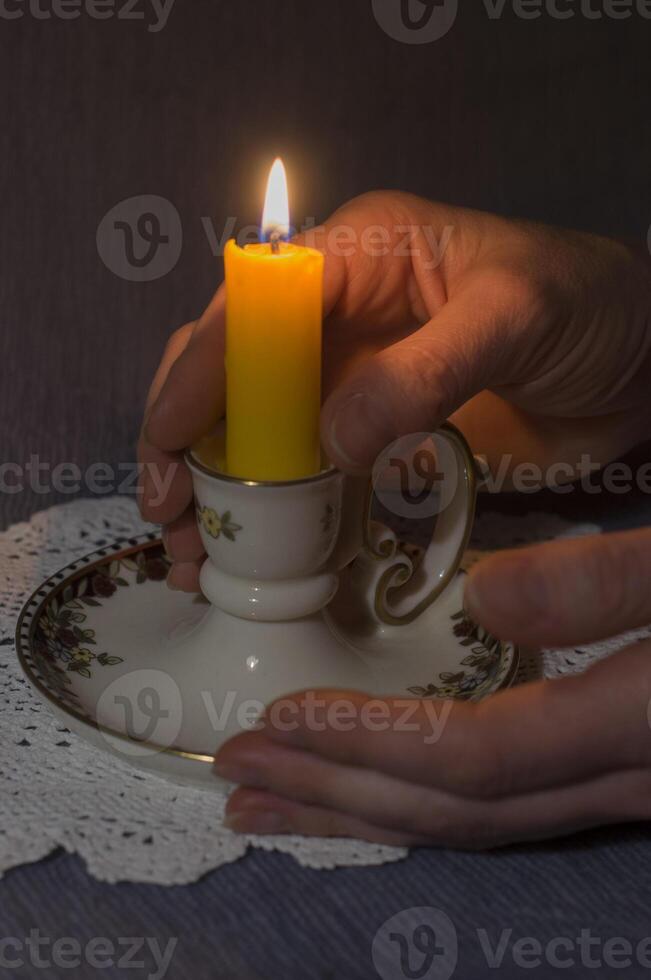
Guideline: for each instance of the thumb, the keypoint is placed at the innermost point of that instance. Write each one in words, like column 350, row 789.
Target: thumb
column 477, row 340
column 564, row 592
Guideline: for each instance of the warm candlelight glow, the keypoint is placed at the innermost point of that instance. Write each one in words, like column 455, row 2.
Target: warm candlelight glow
column 275, row 217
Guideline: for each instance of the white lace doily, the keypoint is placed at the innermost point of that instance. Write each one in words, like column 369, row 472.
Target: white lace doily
column 58, row 791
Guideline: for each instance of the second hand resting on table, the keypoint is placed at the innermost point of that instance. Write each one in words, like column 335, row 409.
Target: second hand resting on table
column 536, row 342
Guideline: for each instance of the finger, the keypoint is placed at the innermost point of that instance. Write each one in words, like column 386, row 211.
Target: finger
column 190, row 400
column 258, row 812
column 184, row 546
column 165, row 489
column 452, row 822
column 492, row 424
column 184, row 576
column 182, row 539
column 528, row 738
column 566, row 592
column 387, row 801
column 252, row 760
column 158, row 468
column 174, row 347
column 480, row 338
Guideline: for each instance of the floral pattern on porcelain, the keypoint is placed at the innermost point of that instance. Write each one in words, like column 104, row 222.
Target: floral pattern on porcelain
column 216, row 526
column 61, row 640
column 483, row 663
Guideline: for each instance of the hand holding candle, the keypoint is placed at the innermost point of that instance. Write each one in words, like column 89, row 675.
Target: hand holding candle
column 274, row 298
column 487, row 323
column 387, row 374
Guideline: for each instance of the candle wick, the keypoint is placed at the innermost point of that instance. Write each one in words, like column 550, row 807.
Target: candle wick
column 274, row 239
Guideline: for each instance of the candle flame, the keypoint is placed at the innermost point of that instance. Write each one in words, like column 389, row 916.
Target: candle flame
column 275, row 217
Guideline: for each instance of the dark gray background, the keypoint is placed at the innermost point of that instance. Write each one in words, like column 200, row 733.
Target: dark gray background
column 546, row 119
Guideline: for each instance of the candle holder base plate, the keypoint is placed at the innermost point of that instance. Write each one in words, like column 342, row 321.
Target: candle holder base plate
column 162, row 678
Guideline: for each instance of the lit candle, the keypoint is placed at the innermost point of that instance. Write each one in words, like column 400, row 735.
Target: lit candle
column 274, row 296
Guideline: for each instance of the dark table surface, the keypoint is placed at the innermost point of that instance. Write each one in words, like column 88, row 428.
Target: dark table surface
column 265, row 918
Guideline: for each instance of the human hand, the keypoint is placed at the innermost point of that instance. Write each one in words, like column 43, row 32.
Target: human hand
column 536, row 761
column 537, row 342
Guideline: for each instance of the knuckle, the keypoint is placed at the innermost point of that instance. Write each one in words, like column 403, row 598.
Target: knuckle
column 525, row 295
column 435, row 374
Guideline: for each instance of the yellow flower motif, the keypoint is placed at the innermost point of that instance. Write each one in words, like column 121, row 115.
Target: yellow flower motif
column 447, row 691
column 215, row 525
column 82, row 656
column 211, row 521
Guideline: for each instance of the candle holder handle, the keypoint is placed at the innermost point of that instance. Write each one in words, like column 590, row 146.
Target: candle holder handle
column 392, row 583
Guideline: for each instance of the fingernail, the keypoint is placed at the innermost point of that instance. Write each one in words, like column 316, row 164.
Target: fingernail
column 256, row 822
column 233, row 773
column 357, row 431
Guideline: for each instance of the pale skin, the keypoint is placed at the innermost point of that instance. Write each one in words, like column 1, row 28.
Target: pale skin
column 536, row 342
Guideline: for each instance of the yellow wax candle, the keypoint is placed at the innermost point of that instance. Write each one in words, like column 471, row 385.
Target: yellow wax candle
column 274, row 295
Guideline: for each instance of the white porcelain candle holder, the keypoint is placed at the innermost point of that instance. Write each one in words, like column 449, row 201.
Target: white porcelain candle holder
column 306, row 591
